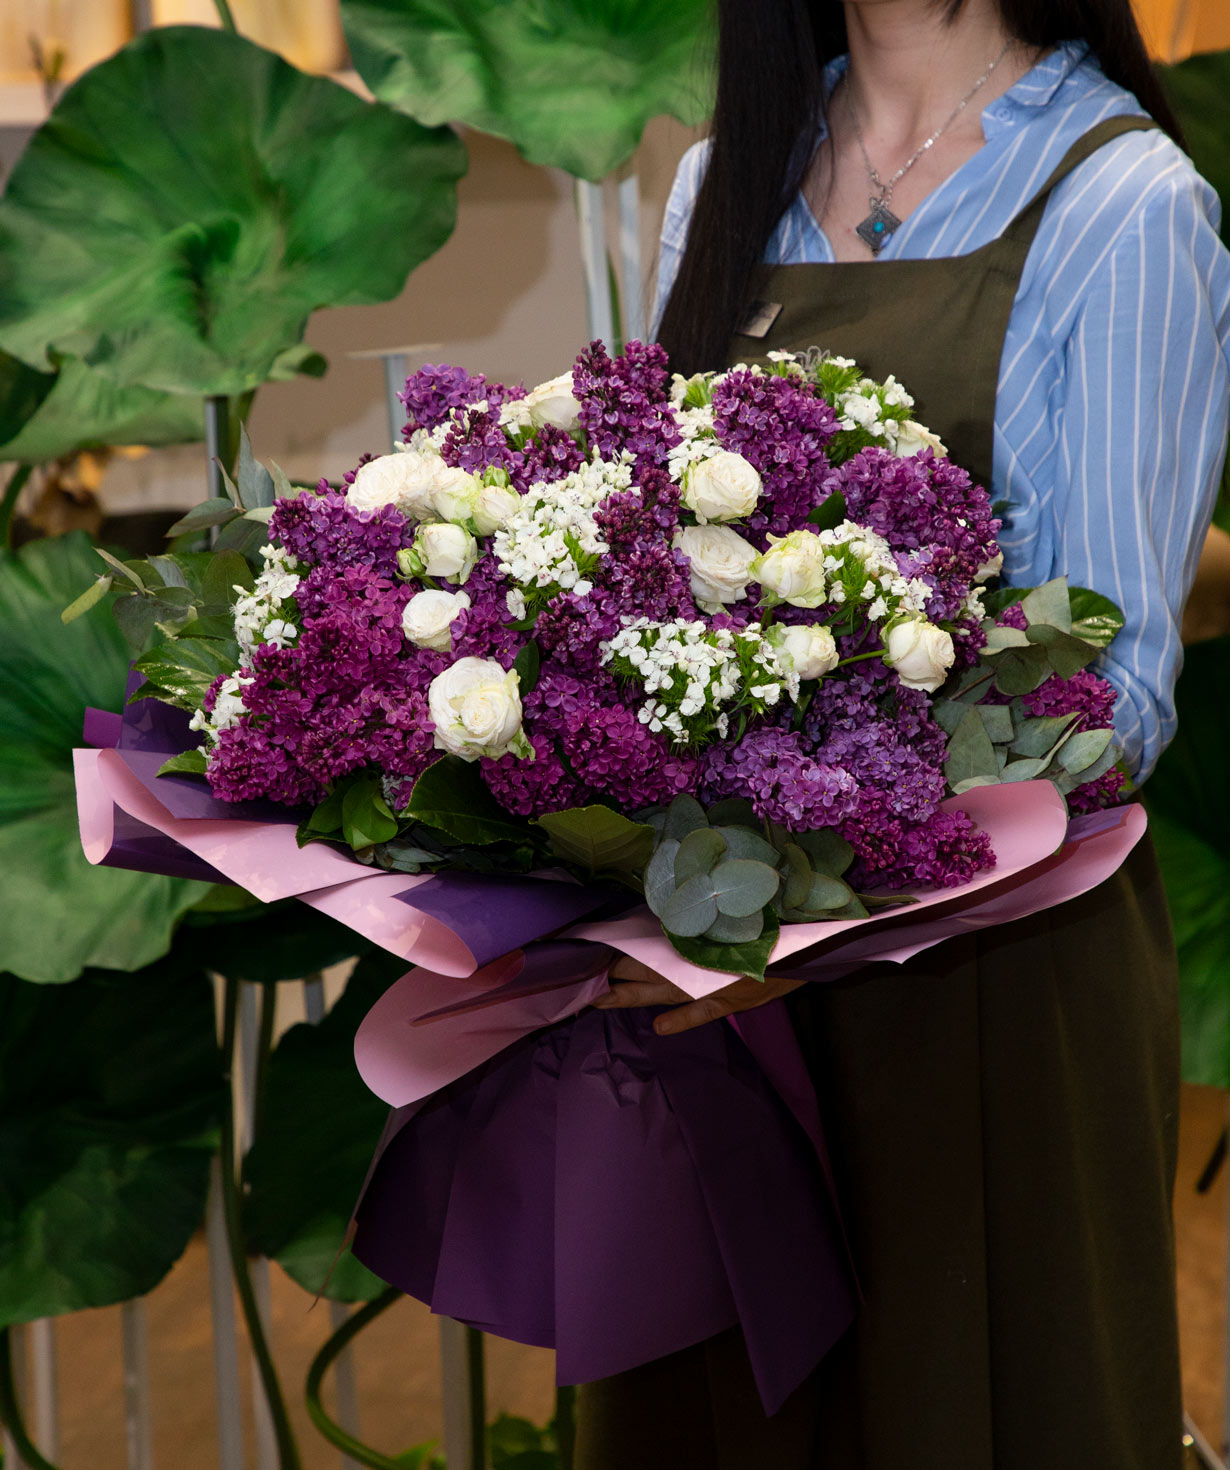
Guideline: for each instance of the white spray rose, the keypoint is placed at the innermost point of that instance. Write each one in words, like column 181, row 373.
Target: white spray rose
column 440, row 550
column 405, row 479
column 454, row 493
column 497, row 504
column 476, row 708
column 990, row 568
column 553, row 403
column 427, row 619
column 809, row 650
column 913, row 438
column 919, row 652
column 721, row 563
column 792, row 570
column 724, row 487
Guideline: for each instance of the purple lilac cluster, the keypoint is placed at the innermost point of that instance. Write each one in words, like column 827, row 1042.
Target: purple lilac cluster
column 433, row 392
column 625, row 402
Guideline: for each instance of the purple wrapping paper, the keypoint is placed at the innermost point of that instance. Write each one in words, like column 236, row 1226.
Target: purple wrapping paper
column 618, row 1195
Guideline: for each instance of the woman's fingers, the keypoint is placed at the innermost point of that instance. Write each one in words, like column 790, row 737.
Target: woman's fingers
column 740, row 995
column 641, row 993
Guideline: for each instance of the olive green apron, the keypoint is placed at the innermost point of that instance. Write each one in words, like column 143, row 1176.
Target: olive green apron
column 1002, row 1110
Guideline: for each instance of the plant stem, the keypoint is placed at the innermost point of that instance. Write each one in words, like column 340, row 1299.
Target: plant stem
column 225, row 16
column 10, row 1409
column 565, row 1425
column 321, row 1363
column 8, row 506
column 857, row 658
column 288, row 1450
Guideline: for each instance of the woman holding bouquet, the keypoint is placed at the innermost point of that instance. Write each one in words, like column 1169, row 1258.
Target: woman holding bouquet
column 985, row 198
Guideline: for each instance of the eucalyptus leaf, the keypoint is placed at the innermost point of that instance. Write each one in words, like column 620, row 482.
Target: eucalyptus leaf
column 1021, row 670
column 130, row 571
column 741, row 842
column 970, row 752
column 110, row 1101
column 999, row 639
column 660, row 875
column 997, row 722
column 598, row 839
column 452, row 797
column 685, row 814
column 246, row 534
column 71, row 914
column 193, row 198
column 828, row 850
column 748, row 957
column 1028, row 768
column 1049, row 604
column 743, row 887
column 726, row 929
column 1081, row 750
column 826, row 893
column 1067, row 655
column 698, row 852
column 572, row 83
column 996, row 599
column 252, row 479
column 215, row 512
column 691, row 908
column 798, row 876
column 733, row 811
column 1040, row 734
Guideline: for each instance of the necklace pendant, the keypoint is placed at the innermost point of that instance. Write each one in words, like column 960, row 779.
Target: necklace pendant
column 878, row 226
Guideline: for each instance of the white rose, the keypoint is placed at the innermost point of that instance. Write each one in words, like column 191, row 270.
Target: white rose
column 404, row 479
column 724, row 487
column 792, row 570
column 990, row 568
column 476, row 708
column 913, row 438
column 553, row 403
column 442, row 549
column 920, row 653
column 427, row 619
column 454, row 493
column 721, row 563
column 808, row 650
column 497, row 504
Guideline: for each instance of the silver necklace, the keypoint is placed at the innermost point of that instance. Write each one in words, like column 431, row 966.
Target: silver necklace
column 881, row 221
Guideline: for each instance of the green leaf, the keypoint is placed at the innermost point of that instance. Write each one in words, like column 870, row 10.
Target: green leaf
column 742, row 843
column 999, row 598
column 252, row 479
column 246, row 534
column 91, row 597
column 733, row 811
column 188, row 762
column 829, row 513
column 1025, row 769
column 1067, row 655
column 825, row 893
column 71, row 914
column 366, row 818
column 598, row 840
column 452, row 797
column 193, row 198
column 997, row 722
column 1040, row 735
column 526, row 665
column 184, row 669
column 970, row 752
column 1095, row 618
column 698, row 852
column 726, row 929
column 84, row 409
column 691, row 908
column 1021, row 670
column 660, row 875
column 110, row 1097
column 1082, row 750
column 572, row 83
column 828, row 850
column 225, row 571
column 129, row 570
column 22, row 390
column 743, row 887
column 1049, row 604
column 999, row 639
column 215, row 512
column 319, row 1125
column 299, row 361
column 798, row 876
column 747, row 958
column 685, row 814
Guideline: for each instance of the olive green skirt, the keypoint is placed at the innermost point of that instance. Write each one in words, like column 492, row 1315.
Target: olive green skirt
column 1003, row 1117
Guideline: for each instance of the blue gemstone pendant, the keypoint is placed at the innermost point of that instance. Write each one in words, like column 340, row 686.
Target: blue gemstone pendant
column 878, row 226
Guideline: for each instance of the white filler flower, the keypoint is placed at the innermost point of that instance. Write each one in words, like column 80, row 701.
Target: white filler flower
column 476, row 708
column 920, row 653
column 427, row 619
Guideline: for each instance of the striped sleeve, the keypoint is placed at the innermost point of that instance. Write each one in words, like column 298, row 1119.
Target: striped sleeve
column 1142, row 438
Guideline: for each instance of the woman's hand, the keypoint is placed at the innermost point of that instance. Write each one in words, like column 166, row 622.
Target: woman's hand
column 645, row 987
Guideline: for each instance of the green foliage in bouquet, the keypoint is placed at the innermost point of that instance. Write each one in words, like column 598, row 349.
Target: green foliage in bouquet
column 192, row 199
column 572, row 83
column 64, row 914
column 1188, row 798
column 110, row 1099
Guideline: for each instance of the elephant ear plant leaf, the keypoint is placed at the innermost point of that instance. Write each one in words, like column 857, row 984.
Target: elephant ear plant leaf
column 571, row 82
column 63, row 914
column 191, row 200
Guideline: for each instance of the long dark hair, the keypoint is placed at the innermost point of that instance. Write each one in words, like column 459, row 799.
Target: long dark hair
column 771, row 59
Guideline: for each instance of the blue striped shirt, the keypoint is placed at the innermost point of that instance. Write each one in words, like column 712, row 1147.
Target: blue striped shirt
column 1114, row 386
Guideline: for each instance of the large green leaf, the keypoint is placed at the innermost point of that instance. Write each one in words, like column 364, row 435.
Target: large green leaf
column 1199, row 92
column 192, row 199
column 85, row 410
column 22, row 390
column 571, row 82
column 61, row 914
column 110, row 1096
column 1188, row 797
column 319, row 1125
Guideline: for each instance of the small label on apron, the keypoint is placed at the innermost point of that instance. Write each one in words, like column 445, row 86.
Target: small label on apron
column 760, row 317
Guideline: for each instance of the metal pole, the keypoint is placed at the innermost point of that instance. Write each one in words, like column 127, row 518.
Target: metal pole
column 222, row 1312
column 17, row 1348
column 592, row 219
column 461, row 1374
column 138, row 1421
column 1195, row 1441
column 140, row 15
column 396, row 371
column 632, row 284
column 41, row 1347
column 245, row 1101
column 217, row 444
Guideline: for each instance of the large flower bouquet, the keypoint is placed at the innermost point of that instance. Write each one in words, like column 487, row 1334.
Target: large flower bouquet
column 724, row 640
